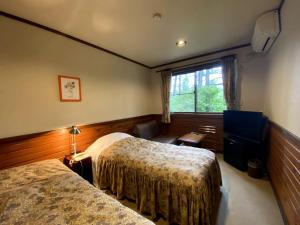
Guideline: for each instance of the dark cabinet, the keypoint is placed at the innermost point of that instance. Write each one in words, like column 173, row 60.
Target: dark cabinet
column 234, row 153
column 237, row 151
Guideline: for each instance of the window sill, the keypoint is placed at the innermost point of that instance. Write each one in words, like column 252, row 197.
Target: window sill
column 198, row 113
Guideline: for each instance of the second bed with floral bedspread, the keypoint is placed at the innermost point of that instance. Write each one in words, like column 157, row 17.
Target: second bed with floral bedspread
column 47, row 192
column 180, row 183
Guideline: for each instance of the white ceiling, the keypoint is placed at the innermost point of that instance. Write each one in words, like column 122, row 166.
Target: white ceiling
column 126, row 27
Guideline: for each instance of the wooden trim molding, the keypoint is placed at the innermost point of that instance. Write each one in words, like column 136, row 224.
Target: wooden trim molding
column 203, row 55
column 284, row 171
column 29, row 22
column 20, row 150
column 22, row 20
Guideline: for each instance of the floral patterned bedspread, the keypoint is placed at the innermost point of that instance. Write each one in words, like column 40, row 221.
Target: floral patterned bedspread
column 47, row 192
column 178, row 182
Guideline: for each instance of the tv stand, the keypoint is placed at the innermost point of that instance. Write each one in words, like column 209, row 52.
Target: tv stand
column 238, row 150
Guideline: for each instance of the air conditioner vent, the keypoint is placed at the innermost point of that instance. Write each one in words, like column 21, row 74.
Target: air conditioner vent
column 266, row 31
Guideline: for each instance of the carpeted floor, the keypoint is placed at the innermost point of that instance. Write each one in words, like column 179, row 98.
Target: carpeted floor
column 245, row 200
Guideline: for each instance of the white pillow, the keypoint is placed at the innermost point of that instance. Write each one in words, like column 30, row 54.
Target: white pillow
column 102, row 143
column 95, row 149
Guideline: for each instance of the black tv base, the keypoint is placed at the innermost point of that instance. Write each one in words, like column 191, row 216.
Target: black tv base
column 238, row 150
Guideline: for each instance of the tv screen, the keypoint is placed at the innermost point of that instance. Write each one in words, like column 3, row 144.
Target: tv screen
column 244, row 124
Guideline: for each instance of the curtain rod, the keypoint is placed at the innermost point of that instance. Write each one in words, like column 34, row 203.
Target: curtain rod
column 195, row 64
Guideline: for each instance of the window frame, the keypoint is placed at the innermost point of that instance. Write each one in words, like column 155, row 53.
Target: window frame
column 192, row 69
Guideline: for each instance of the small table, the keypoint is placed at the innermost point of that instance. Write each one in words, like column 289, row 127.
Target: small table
column 191, row 139
column 82, row 166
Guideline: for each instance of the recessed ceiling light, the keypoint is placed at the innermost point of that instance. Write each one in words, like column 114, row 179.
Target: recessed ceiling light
column 181, row 43
column 157, row 16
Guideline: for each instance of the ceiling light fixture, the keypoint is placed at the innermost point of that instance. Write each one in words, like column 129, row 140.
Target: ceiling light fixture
column 157, row 16
column 181, row 43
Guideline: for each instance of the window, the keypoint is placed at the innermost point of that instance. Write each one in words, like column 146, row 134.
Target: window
column 198, row 90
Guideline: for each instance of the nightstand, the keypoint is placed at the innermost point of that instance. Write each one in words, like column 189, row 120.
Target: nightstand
column 82, row 166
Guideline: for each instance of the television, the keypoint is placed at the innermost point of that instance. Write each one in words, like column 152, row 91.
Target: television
column 245, row 124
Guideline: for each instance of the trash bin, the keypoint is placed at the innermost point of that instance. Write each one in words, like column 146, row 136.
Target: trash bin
column 255, row 168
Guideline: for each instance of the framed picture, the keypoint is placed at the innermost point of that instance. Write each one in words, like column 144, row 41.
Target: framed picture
column 69, row 89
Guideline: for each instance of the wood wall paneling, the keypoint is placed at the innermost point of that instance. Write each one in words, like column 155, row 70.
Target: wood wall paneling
column 25, row 149
column 210, row 124
column 284, row 171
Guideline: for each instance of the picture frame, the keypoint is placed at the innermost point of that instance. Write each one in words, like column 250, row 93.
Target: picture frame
column 69, row 88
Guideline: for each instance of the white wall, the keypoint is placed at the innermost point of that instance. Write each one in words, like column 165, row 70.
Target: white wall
column 113, row 88
column 252, row 79
column 270, row 82
column 31, row 59
column 282, row 69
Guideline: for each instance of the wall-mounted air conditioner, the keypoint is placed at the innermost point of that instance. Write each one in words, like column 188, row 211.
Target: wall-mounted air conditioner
column 267, row 28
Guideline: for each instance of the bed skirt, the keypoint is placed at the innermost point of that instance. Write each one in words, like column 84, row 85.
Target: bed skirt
column 158, row 195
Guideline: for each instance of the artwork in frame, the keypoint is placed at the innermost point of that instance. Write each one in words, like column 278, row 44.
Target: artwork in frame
column 69, row 89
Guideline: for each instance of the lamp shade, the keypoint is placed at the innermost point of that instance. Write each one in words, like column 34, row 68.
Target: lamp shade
column 74, row 130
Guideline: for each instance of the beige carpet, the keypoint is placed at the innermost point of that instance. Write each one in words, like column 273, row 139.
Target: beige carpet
column 245, row 200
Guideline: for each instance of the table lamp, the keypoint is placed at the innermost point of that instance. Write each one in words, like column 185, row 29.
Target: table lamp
column 74, row 131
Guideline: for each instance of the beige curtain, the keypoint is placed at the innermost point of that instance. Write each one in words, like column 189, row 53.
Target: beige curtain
column 166, row 83
column 231, row 82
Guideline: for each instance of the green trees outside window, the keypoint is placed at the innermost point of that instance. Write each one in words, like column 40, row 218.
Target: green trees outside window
column 198, row 91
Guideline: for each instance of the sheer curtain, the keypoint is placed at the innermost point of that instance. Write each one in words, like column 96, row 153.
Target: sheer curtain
column 166, row 83
column 231, row 82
